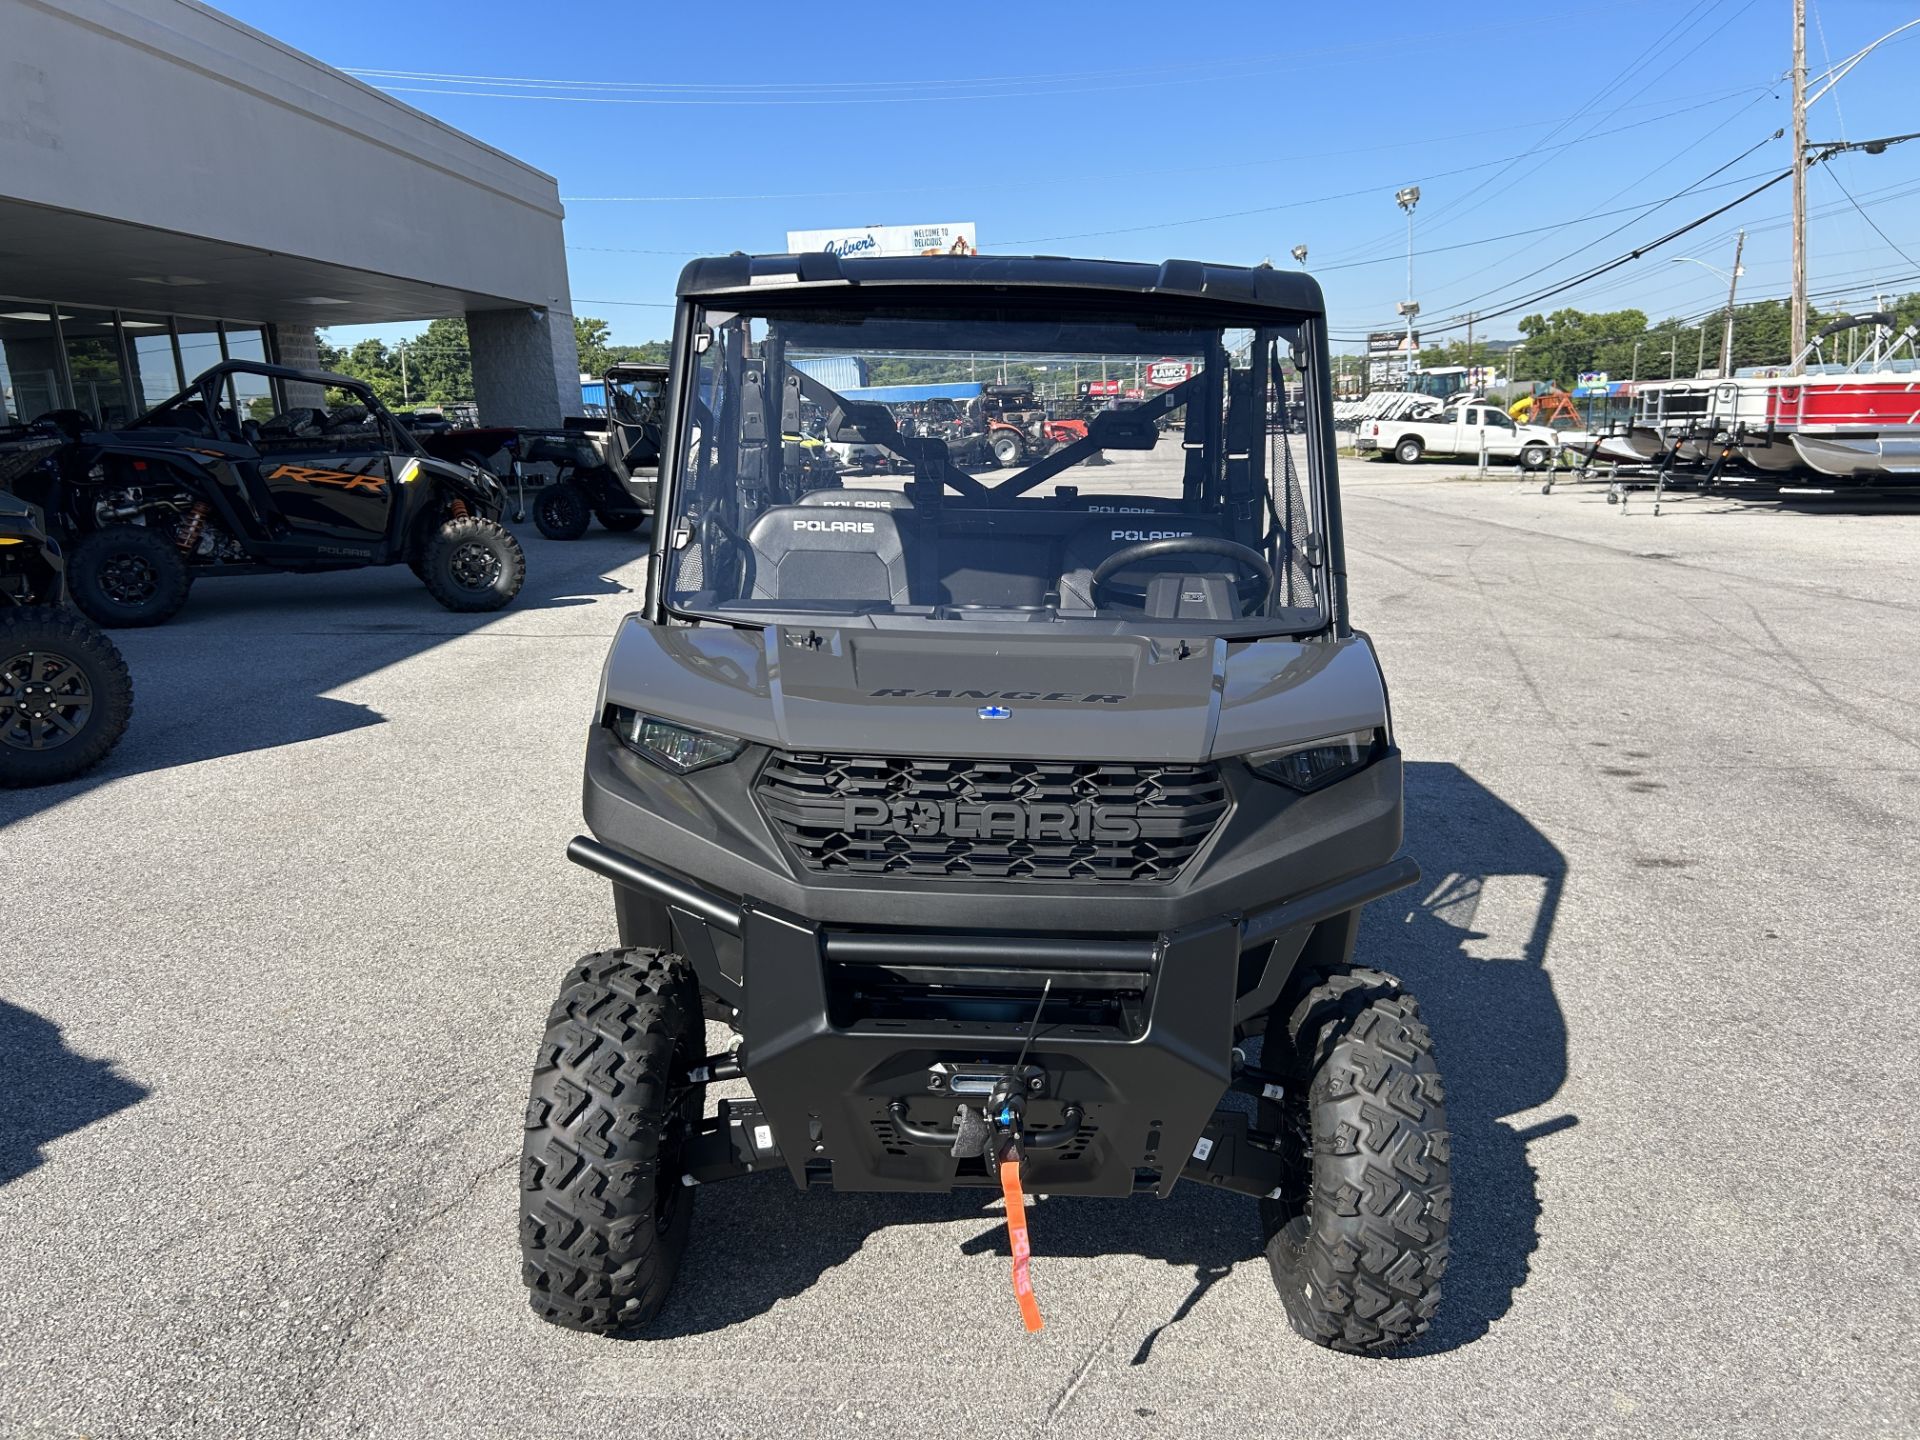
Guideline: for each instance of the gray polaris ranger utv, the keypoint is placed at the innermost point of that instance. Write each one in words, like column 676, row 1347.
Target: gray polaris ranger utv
column 1012, row 824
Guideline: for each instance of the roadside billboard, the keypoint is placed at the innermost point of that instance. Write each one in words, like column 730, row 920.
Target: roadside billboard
column 950, row 238
column 1100, row 389
column 1165, row 374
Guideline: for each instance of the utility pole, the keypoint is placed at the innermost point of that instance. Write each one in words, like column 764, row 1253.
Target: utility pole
column 406, row 395
column 1733, row 284
column 1799, row 341
column 1470, row 365
column 1636, row 360
column 1406, row 199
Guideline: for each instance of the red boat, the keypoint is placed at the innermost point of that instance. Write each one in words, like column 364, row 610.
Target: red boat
column 1859, row 423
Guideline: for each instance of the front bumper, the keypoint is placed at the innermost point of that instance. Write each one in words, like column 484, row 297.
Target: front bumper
column 849, row 1034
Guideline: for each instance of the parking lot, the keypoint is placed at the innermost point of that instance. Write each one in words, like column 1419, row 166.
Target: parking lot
column 275, row 974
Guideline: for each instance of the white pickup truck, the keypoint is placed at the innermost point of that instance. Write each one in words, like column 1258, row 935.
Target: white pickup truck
column 1460, row 430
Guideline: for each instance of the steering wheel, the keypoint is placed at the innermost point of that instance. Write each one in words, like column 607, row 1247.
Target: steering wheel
column 1246, row 555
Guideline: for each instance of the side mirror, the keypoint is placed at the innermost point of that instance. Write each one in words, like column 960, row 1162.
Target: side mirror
column 1124, row 429
column 861, row 422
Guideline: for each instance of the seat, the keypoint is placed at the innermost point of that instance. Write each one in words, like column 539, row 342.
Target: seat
column 801, row 553
column 858, row 499
column 1088, row 546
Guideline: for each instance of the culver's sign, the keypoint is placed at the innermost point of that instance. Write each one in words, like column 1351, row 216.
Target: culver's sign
column 957, row 238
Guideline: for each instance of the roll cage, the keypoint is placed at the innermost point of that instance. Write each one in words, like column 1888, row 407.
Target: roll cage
column 763, row 398
column 201, row 404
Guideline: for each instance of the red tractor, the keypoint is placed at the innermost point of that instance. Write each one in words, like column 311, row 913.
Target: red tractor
column 1019, row 429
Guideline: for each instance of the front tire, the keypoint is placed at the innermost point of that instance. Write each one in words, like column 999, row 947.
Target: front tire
column 1535, row 457
column 603, row 1210
column 621, row 522
column 561, row 512
column 65, row 696
column 474, row 564
column 125, row 576
column 1007, row 449
column 1358, row 1241
column 1409, row 450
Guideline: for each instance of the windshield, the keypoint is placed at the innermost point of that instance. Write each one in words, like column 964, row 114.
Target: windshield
column 919, row 464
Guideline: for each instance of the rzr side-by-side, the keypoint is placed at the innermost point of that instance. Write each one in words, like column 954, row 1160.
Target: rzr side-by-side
column 65, row 695
column 1010, row 821
column 192, row 490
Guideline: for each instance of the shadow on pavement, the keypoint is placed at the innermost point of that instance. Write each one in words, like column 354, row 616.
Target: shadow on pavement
column 47, row 1091
column 247, row 664
column 1471, row 942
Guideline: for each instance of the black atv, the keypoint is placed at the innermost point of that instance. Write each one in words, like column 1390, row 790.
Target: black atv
column 607, row 470
column 65, row 695
column 191, row 490
column 1012, row 828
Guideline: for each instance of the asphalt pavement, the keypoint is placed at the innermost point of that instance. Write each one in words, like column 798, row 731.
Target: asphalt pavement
column 271, row 982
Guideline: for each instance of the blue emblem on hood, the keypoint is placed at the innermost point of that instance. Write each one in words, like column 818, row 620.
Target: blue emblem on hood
column 994, row 712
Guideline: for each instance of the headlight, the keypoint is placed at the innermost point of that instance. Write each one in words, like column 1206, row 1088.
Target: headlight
column 1310, row 764
column 678, row 748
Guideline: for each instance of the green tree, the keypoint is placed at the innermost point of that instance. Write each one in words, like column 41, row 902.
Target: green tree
column 592, row 337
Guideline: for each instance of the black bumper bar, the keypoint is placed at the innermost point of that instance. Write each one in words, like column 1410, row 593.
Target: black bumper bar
column 1062, row 952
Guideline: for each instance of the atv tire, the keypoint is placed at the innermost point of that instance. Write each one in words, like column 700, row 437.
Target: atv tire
column 603, row 1209
column 65, row 696
column 124, row 576
column 1357, row 1242
column 561, row 512
column 473, row 564
column 620, row 522
column 1007, row 449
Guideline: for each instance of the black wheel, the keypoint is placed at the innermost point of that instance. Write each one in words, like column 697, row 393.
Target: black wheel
column 560, row 511
column 64, row 696
column 128, row 575
column 1007, row 448
column 603, row 1210
column 1535, row 457
column 621, row 522
column 1357, row 1241
column 474, row 563
column 1409, row 450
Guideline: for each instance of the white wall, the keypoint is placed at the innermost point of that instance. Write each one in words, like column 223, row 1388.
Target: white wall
column 168, row 113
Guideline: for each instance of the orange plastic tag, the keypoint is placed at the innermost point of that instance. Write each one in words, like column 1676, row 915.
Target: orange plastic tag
column 1022, row 1249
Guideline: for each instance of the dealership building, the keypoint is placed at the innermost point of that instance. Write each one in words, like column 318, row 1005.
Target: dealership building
column 177, row 188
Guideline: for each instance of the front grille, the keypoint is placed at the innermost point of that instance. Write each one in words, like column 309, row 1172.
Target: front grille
column 1031, row 820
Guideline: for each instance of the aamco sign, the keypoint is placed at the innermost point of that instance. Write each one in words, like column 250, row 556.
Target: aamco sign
column 955, row 238
column 1165, row 374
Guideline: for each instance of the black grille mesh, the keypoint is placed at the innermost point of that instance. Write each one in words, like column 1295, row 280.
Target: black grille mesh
column 1174, row 807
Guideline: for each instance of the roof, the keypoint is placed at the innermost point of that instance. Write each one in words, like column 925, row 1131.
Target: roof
column 1261, row 287
column 901, row 394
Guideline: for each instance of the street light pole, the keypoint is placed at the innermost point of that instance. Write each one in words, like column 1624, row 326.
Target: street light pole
column 1636, row 359
column 1733, row 282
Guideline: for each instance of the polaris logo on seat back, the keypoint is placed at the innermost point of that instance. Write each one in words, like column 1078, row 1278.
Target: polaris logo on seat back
column 1138, row 535
column 835, row 527
column 950, row 820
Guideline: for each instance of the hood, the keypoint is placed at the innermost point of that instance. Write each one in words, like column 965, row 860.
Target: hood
column 988, row 696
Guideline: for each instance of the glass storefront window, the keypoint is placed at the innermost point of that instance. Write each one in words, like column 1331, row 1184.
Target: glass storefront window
column 100, row 387
column 252, row 394
column 115, row 368
column 199, row 346
column 156, row 373
column 29, row 366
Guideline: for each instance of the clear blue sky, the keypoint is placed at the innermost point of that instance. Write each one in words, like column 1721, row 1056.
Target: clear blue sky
column 1228, row 132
